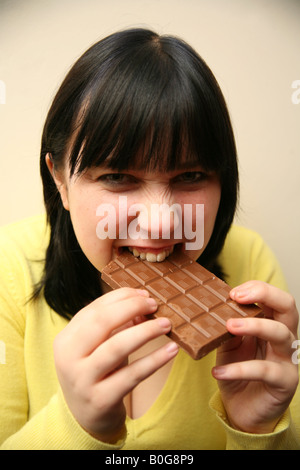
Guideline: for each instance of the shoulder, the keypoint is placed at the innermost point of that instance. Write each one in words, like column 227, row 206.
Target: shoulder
column 22, row 248
column 243, row 240
column 247, row 256
column 29, row 235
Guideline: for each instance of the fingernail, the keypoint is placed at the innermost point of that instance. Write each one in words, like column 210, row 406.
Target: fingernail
column 219, row 371
column 172, row 348
column 151, row 302
column 164, row 322
column 143, row 292
column 240, row 294
column 237, row 322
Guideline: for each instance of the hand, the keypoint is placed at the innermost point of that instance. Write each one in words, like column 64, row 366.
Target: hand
column 91, row 358
column 256, row 376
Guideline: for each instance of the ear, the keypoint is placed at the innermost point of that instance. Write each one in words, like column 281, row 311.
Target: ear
column 60, row 180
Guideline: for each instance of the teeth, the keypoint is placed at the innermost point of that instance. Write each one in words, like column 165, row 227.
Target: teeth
column 162, row 256
column 151, row 257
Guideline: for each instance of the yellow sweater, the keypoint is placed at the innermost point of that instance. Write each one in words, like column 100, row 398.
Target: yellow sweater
column 188, row 413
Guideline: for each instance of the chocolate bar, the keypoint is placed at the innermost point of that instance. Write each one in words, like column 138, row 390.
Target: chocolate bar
column 195, row 300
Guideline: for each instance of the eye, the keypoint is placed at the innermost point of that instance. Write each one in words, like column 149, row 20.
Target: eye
column 117, row 180
column 191, row 177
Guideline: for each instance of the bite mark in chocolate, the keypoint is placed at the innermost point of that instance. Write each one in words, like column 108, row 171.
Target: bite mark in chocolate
column 194, row 299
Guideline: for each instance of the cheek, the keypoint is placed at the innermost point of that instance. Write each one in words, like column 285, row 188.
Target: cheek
column 84, row 224
column 204, row 226
column 83, row 212
column 211, row 207
column 210, row 200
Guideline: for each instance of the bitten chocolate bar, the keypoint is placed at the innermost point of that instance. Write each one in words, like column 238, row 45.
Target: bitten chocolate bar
column 195, row 300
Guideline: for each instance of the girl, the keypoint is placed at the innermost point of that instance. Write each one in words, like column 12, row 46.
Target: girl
column 139, row 115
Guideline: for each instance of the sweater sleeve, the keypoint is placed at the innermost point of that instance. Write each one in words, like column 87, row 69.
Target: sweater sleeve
column 246, row 257
column 13, row 388
column 53, row 426
column 284, row 436
column 255, row 260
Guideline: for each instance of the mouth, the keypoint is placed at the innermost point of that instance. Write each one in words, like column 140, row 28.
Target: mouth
column 153, row 255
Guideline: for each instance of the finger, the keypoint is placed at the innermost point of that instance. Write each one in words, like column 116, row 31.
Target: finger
column 113, row 352
column 122, row 382
column 97, row 322
column 276, row 333
column 274, row 374
column 119, row 314
column 110, row 299
column 120, row 294
column 276, row 303
column 239, row 348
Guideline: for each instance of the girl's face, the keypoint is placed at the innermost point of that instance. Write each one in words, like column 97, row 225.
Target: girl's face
column 132, row 209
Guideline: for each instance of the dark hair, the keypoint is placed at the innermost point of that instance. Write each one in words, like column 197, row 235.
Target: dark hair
column 134, row 98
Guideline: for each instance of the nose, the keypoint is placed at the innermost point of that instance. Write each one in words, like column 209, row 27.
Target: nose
column 160, row 221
